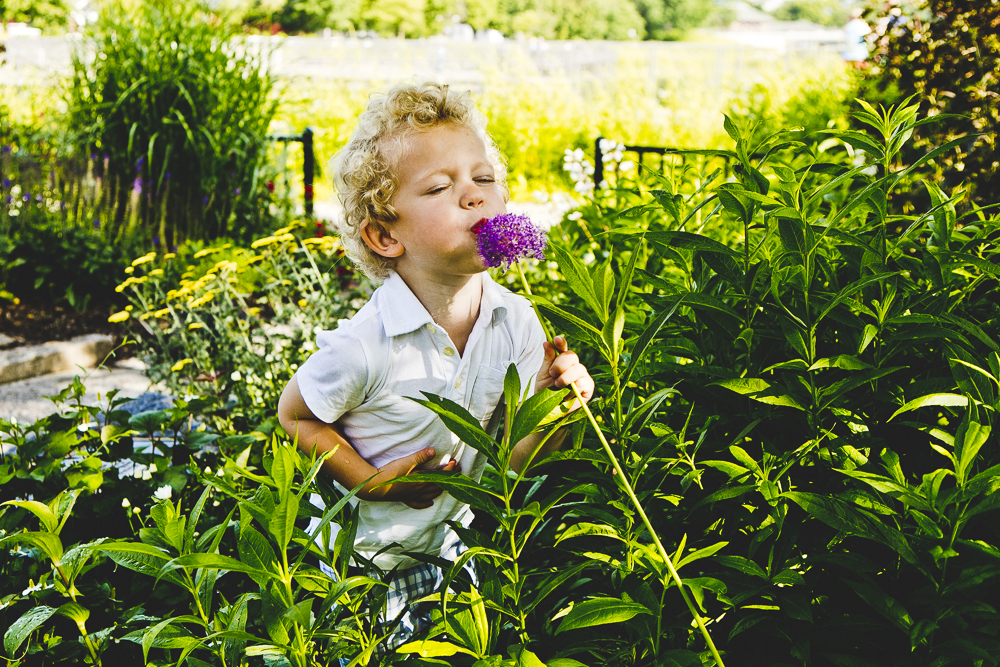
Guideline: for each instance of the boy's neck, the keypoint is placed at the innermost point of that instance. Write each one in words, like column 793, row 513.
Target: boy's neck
column 453, row 302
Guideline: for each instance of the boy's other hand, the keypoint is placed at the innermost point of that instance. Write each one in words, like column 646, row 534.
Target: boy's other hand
column 561, row 367
column 418, row 495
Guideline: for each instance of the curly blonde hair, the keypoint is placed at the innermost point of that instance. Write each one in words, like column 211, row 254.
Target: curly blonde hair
column 363, row 170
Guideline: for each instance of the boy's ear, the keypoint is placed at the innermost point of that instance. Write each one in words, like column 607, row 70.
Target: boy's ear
column 380, row 240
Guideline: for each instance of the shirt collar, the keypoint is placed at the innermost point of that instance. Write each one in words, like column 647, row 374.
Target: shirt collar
column 402, row 312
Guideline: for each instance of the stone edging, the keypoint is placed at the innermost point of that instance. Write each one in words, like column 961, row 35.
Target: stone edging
column 28, row 361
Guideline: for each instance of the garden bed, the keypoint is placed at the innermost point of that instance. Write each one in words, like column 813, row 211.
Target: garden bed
column 29, row 324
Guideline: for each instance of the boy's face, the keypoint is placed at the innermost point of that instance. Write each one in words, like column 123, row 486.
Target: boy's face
column 446, row 185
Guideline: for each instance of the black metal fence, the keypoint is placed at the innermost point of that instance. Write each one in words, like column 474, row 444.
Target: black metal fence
column 641, row 161
column 308, row 162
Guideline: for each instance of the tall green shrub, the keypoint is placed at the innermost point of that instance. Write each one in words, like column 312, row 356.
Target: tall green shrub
column 947, row 53
column 180, row 107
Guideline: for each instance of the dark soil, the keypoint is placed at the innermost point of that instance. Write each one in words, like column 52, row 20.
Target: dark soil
column 29, row 324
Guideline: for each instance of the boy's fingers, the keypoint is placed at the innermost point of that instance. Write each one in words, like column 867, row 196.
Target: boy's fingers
column 417, row 458
column 563, row 363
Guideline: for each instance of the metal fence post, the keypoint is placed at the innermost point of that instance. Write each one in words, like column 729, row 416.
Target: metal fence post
column 308, row 168
column 598, row 162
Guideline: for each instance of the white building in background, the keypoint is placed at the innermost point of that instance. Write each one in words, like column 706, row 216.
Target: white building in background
column 758, row 29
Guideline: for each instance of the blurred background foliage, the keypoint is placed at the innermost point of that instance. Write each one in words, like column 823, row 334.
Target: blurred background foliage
column 947, row 54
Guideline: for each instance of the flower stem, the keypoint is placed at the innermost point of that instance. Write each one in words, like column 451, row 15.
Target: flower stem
column 656, row 539
column 527, row 290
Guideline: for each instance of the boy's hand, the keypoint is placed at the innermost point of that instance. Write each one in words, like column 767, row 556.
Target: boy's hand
column 418, row 495
column 561, row 367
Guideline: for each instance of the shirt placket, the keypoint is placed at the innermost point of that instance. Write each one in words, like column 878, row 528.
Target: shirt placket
column 455, row 368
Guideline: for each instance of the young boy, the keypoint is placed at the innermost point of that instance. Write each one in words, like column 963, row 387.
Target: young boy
column 416, row 176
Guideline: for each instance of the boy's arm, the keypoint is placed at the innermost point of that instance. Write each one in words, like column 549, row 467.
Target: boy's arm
column 345, row 464
column 560, row 368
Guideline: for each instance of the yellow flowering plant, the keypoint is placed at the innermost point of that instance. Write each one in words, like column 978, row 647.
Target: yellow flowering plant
column 232, row 323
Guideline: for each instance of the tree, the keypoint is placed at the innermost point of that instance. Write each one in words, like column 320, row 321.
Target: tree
column 950, row 59
column 396, row 17
column 823, row 12
column 670, row 19
column 49, row 15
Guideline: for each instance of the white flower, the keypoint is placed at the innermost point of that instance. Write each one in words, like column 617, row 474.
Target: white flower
column 152, row 467
column 163, row 493
column 136, row 510
column 32, row 588
column 220, row 473
column 146, row 475
column 575, row 215
column 125, row 503
column 236, row 376
column 208, row 470
column 626, row 165
column 83, row 428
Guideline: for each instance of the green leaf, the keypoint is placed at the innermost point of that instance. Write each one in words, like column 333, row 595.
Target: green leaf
column 531, row 413
column 699, row 554
column 852, row 520
column 464, row 425
column 45, row 515
column 646, row 338
column 926, row 524
column 461, row 487
column 741, row 564
column 690, row 241
column 212, row 561
column 600, row 611
column 48, row 543
column 585, row 529
column 578, row 278
column 882, row 603
column 428, row 648
column 950, row 400
column 759, row 390
column 74, row 612
column 30, row 621
column 282, row 522
column 282, row 468
column 142, row 558
column 256, row 551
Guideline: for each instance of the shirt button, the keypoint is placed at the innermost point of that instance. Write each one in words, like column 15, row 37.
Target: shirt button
column 430, row 327
column 458, row 383
column 448, row 352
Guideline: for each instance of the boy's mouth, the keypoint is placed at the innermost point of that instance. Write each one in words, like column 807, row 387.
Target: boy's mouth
column 478, row 227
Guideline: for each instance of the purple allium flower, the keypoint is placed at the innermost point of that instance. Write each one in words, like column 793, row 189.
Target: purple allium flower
column 507, row 238
column 139, row 163
column 156, row 241
column 6, row 182
column 5, row 149
column 26, row 197
column 236, row 191
column 137, row 186
column 97, row 223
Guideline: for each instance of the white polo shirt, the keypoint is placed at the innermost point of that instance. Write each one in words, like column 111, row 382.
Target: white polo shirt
column 364, row 373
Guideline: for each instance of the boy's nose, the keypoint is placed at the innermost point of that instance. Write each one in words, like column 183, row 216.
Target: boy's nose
column 472, row 197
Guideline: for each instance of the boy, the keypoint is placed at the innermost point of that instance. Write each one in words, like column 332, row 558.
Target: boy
column 417, row 175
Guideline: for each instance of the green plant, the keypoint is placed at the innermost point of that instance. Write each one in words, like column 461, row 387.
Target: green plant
column 948, row 54
column 238, row 321
column 180, row 109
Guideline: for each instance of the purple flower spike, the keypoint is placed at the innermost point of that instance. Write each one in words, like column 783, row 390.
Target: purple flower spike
column 507, row 238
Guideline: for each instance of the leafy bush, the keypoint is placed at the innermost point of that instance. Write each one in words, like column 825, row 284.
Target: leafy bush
column 802, row 397
column 52, row 264
column 227, row 322
column 179, row 107
column 947, row 52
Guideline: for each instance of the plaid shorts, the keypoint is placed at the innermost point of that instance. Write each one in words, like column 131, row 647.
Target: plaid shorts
column 405, row 587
